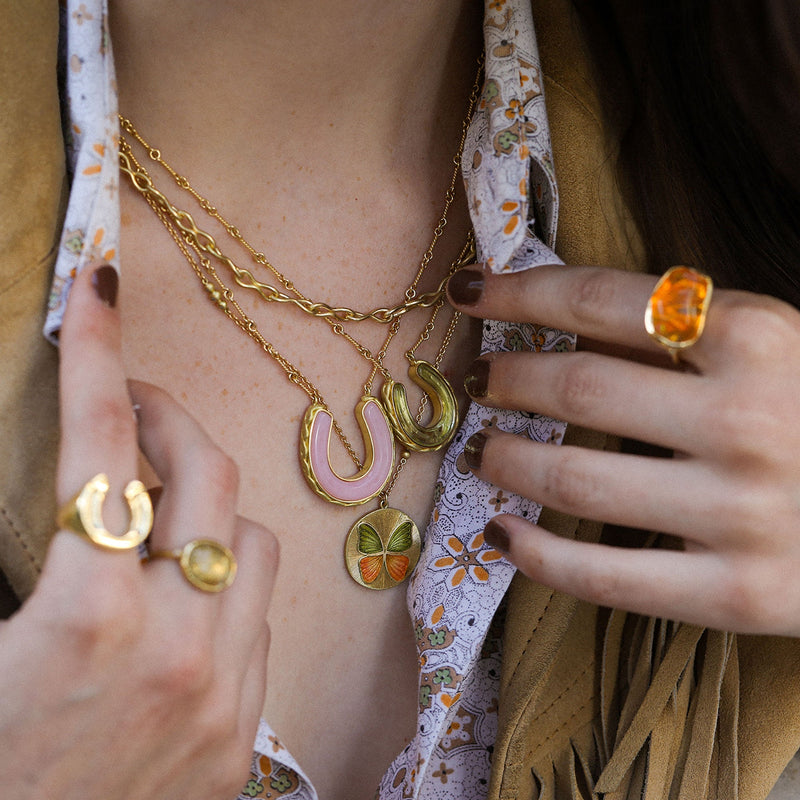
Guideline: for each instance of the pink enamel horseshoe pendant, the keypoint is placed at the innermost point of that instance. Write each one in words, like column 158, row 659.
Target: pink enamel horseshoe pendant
column 315, row 441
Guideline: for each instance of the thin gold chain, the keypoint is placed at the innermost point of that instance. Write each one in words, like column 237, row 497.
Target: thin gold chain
column 224, row 299
column 270, row 293
column 181, row 224
column 189, row 237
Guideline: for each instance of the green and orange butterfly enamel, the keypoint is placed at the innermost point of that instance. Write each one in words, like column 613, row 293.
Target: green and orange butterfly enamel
column 375, row 555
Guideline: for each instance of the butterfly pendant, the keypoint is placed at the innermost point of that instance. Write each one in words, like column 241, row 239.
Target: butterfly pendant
column 382, row 548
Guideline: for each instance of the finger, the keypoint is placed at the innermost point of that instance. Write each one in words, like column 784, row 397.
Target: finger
column 254, row 685
column 603, row 393
column 244, row 605
column 98, row 428
column 600, row 303
column 691, row 587
column 621, row 489
column 200, row 491
column 97, row 421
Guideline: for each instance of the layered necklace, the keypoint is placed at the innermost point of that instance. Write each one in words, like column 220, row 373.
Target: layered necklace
column 382, row 547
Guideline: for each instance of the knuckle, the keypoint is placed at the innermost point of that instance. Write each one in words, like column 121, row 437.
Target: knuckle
column 747, row 598
column 756, row 327
column 740, row 425
column 568, row 485
column 595, row 292
column 602, row 586
column 217, row 471
column 220, row 722
column 580, row 386
column 103, row 618
column 727, row 416
column 746, row 510
column 93, row 333
column 110, row 419
column 231, row 770
column 186, row 670
column 270, row 547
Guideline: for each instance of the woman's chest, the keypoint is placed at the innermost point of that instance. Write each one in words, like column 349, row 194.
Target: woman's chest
column 343, row 662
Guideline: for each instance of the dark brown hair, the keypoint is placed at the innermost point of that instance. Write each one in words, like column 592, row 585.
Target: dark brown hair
column 709, row 133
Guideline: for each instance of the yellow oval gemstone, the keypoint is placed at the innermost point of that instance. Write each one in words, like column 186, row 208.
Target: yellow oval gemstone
column 208, row 565
column 676, row 310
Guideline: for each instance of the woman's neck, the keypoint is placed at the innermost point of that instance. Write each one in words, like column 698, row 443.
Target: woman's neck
column 310, row 63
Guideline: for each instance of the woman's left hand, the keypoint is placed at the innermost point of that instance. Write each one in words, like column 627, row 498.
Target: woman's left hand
column 732, row 491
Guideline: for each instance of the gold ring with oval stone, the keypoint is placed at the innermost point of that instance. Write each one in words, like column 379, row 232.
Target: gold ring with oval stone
column 206, row 563
column 676, row 310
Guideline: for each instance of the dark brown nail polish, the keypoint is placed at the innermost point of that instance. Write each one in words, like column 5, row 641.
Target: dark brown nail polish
column 473, row 449
column 466, row 286
column 106, row 282
column 476, row 381
column 496, row 535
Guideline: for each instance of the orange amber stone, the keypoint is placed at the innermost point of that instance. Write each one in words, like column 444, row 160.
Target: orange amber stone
column 676, row 310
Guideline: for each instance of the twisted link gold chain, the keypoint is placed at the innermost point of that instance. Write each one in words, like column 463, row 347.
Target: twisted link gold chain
column 197, row 245
column 270, row 293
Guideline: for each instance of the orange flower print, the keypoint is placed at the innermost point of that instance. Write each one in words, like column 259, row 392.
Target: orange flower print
column 466, row 560
column 513, row 208
column 461, row 731
column 93, row 169
column 515, row 110
column 96, row 251
column 497, row 5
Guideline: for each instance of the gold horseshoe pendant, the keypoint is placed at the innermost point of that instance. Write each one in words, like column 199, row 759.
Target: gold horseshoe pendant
column 315, row 461
column 443, row 401
column 84, row 514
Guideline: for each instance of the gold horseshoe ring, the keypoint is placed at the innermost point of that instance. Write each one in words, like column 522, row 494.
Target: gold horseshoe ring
column 83, row 514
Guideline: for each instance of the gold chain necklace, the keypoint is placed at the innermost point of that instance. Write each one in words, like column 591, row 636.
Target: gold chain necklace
column 383, row 546
column 184, row 231
column 316, row 308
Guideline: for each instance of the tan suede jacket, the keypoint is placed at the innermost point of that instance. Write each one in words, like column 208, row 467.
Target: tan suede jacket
column 593, row 703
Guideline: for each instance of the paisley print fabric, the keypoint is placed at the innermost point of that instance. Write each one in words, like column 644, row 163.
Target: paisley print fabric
column 458, row 586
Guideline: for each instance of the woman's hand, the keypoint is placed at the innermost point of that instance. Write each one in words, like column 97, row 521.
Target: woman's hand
column 119, row 679
column 732, row 492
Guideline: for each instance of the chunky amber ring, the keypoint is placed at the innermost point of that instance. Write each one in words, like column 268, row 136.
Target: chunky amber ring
column 676, row 311
column 83, row 515
column 205, row 563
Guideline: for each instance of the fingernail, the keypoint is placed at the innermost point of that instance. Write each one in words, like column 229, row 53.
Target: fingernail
column 495, row 535
column 106, row 282
column 466, row 287
column 476, row 381
column 473, row 449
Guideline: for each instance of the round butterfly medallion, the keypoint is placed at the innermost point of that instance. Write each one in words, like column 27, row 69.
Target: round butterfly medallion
column 382, row 548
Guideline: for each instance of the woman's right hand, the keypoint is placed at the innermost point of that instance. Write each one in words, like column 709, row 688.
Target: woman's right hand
column 118, row 678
